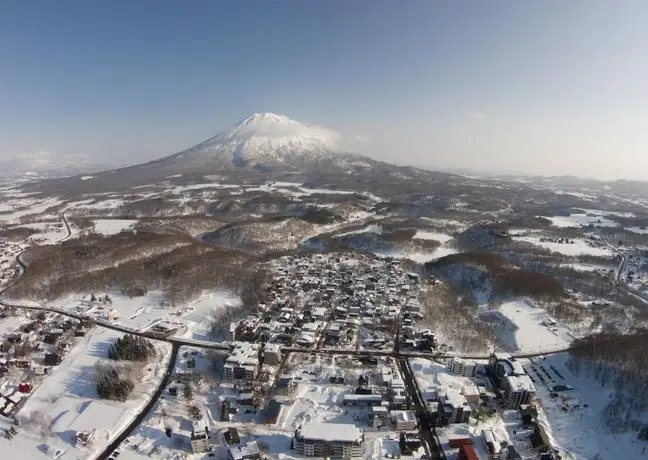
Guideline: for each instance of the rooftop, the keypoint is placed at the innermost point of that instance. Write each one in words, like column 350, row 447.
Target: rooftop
column 330, row 432
column 521, row 383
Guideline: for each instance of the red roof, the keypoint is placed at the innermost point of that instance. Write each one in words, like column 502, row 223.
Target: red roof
column 466, row 452
column 458, row 442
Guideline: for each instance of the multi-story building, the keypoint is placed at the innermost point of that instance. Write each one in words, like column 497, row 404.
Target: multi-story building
column 272, row 354
column 517, row 390
column 243, row 363
column 463, row 367
column 199, row 441
column 454, row 408
column 329, row 440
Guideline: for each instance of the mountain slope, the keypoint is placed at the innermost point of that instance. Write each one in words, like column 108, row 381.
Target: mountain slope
column 262, row 147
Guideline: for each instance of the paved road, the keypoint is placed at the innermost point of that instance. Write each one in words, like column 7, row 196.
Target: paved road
column 427, row 431
column 128, row 431
column 619, row 270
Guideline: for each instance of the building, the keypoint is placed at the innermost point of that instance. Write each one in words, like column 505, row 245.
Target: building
column 463, row 367
column 517, row 390
column 272, row 354
column 329, row 440
column 453, row 408
column 249, row 451
column 467, row 452
column 471, row 393
column 493, row 446
column 199, row 442
column 362, row 400
column 379, row 416
column 404, row 420
column 243, row 363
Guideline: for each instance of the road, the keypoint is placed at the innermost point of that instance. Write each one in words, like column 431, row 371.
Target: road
column 427, row 430
column 619, row 270
column 145, row 411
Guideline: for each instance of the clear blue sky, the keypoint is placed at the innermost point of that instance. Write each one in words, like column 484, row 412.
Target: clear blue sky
column 546, row 87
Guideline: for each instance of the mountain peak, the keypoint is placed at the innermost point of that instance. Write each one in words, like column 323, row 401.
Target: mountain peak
column 265, row 117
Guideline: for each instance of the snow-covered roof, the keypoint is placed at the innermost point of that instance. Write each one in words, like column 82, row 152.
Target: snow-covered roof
column 330, row 432
column 520, row 383
column 243, row 451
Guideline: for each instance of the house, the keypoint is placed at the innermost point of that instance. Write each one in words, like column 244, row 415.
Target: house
column 249, row 451
column 231, row 436
column 329, row 440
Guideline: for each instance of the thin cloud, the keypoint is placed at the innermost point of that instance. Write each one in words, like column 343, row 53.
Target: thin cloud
column 477, row 116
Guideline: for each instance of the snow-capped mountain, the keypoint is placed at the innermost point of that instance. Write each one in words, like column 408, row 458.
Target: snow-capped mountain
column 263, row 147
column 262, row 141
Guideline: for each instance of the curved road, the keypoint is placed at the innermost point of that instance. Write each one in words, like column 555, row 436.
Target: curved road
column 145, row 411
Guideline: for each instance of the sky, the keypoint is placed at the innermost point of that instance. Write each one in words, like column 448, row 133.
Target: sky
column 551, row 87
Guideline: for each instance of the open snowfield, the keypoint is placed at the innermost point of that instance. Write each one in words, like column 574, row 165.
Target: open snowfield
column 578, row 247
column 141, row 313
column 68, row 398
column 519, row 324
column 109, row 227
column 640, row 231
column 581, row 220
column 30, row 205
column 437, row 236
column 574, row 417
column 432, row 375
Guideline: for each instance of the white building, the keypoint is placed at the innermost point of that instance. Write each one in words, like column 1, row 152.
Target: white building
column 329, row 440
column 463, row 367
column 243, row 363
column 517, row 390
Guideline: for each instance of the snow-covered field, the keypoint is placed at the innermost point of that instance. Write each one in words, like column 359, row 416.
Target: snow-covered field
column 578, row 247
column 574, row 417
column 581, row 220
column 437, row 236
column 142, row 313
column 525, row 327
column 67, row 403
column 112, row 226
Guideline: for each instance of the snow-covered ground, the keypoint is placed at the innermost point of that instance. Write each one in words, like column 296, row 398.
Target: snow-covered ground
column 581, row 220
column 574, row 417
column 142, row 313
column 577, row 247
column 29, row 206
column 525, row 327
column 437, row 236
column 112, row 226
column 67, row 403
